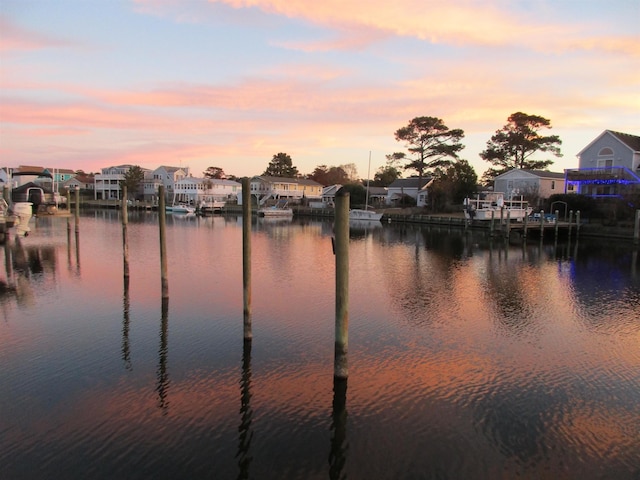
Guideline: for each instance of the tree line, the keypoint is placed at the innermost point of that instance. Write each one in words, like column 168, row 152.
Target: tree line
column 432, row 149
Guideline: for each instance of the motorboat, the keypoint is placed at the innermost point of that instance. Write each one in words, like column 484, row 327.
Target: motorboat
column 364, row 215
column 493, row 205
column 275, row 211
column 180, row 208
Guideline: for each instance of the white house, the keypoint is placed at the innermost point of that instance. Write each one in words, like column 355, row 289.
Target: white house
column 413, row 187
column 265, row 189
column 530, row 184
column 195, row 191
column 608, row 167
column 107, row 182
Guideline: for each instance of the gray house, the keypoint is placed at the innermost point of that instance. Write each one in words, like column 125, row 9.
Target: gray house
column 413, row 187
column 533, row 185
column 608, row 167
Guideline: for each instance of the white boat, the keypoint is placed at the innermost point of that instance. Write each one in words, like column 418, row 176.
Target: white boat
column 493, row 205
column 275, row 211
column 210, row 205
column 366, row 215
column 180, row 208
column 280, row 209
column 358, row 214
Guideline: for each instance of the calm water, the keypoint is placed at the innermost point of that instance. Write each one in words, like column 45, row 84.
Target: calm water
column 468, row 359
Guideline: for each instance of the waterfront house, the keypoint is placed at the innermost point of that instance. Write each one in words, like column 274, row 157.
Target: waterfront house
column 533, row 185
column 194, row 191
column 609, row 166
column 167, row 176
column 83, row 181
column 268, row 189
column 414, row 187
column 107, row 182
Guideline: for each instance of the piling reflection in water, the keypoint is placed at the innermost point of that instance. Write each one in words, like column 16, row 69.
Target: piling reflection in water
column 162, row 388
column 339, row 444
column 126, row 305
column 246, row 415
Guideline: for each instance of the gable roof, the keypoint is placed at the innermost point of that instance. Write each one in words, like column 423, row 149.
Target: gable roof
column 631, row 141
column 628, row 140
column 411, row 182
column 545, row 174
column 299, row 181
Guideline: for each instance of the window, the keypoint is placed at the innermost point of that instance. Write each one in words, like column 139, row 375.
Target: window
column 605, row 158
column 553, row 184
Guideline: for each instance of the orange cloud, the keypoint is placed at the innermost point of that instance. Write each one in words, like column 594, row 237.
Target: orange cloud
column 463, row 22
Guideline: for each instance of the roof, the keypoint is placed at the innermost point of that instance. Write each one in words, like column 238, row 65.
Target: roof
column 631, row 141
column 411, row 182
column 171, row 169
column 299, row 181
column 377, row 191
column 545, row 174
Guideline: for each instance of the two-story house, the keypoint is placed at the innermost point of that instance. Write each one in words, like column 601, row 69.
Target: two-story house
column 205, row 192
column 107, row 182
column 164, row 175
column 532, row 185
column 608, row 167
column 265, row 189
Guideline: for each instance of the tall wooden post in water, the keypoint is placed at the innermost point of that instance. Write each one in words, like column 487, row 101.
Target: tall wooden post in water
column 162, row 222
column 636, row 229
column 570, row 221
column 246, row 256
column 125, row 241
column 341, row 245
column 77, row 209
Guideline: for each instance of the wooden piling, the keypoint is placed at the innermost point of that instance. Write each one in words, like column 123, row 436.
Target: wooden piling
column 6, row 194
column 636, row 229
column 508, row 224
column 162, row 223
column 556, row 228
column 341, row 245
column 77, row 215
column 246, row 256
column 541, row 223
column 69, row 210
column 125, row 241
column 526, row 224
column 570, row 221
column 577, row 223
column 493, row 214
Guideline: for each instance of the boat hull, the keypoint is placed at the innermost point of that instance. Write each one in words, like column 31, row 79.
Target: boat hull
column 275, row 212
column 365, row 215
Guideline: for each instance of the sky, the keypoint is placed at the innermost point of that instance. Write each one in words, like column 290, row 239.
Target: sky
column 87, row 84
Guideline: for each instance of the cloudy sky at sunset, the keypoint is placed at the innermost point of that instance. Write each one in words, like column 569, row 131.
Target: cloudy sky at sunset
column 85, row 84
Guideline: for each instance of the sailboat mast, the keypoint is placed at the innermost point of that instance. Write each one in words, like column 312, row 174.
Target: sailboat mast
column 366, row 202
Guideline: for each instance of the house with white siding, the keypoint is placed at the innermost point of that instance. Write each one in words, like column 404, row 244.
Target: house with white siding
column 196, row 191
column 266, row 189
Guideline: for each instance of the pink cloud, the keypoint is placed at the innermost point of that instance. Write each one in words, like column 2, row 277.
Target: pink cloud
column 16, row 38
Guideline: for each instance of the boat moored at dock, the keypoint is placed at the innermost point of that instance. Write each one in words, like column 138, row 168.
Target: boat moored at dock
column 491, row 205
